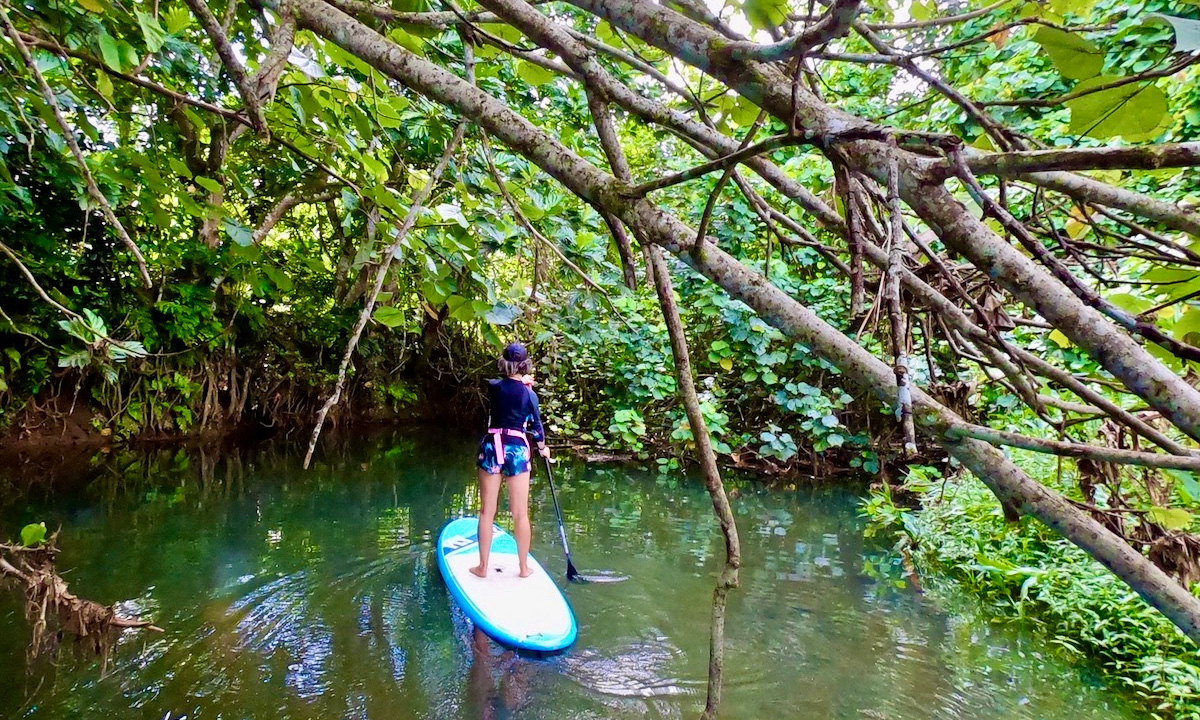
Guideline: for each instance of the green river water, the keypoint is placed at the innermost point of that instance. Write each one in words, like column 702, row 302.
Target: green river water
column 293, row 594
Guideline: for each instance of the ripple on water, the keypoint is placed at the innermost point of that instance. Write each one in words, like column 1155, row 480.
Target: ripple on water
column 638, row 669
column 277, row 619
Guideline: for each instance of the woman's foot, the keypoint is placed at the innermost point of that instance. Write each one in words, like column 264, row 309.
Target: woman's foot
column 481, row 571
column 525, row 572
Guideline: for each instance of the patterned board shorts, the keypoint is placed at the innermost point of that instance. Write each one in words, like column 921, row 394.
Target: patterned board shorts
column 516, row 457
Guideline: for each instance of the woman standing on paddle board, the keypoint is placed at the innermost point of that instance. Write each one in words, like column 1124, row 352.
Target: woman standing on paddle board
column 505, row 453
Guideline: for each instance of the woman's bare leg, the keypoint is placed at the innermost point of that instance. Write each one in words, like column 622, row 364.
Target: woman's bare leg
column 489, row 496
column 518, row 505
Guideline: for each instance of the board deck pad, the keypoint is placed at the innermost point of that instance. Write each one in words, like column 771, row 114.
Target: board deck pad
column 527, row 613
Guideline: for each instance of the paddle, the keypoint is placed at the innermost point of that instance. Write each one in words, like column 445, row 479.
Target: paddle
column 572, row 573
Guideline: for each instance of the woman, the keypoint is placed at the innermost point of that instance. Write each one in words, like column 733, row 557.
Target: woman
column 505, row 452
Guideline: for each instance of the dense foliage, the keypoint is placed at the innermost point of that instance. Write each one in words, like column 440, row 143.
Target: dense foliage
column 252, row 190
column 1024, row 573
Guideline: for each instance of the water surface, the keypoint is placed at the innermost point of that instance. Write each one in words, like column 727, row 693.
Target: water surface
column 293, row 594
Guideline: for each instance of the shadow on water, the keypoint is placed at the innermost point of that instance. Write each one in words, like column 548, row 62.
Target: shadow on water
column 301, row 595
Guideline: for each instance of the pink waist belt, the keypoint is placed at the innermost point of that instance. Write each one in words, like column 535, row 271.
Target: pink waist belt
column 498, row 441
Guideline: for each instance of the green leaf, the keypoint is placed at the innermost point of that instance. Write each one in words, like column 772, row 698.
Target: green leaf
column 1186, row 325
column 1125, row 110
column 76, row 359
column 1187, row 32
column 129, row 54
column 448, row 211
column 1130, row 303
column 177, row 19
column 179, row 167
column 1075, row 7
column 503, row 314
column 1189, row 487
column 280, row 278
column 417, row 179
column 104, row 85
column 238, row 232
column 389, row 316
column 33, row 534
column 535, row 75
column 922, row 10
column 764, row 14
column 109, row 52
column 92, row 6
column 1075, row 57
column 208, row 184
column 407, row 41
column 1170, row 518
column 461, row 308
column 153, row 33
column 605, row 32
column 744, row 112
column 1059, row 338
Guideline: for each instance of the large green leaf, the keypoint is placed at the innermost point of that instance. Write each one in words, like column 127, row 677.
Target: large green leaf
column 461, row 308
column 535, row 75
column 503, row 314
column 109, row 51
column 1130, row 109
column 1189, row 324
column 1073, row 56
column 764, row 14
column 33, row 534
column 1170, row 518
column 407, row 41
column 1188, row 486
column 389, row 316
column 1075, row 7
column 104, row 85
column 153, row 33
column 238, row 232
column 922, row 10
column 177, row 18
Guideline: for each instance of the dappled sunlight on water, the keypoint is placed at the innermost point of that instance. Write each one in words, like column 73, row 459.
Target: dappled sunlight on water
column 286, row 594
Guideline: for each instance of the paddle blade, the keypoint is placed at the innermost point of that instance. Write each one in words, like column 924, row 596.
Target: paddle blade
column 572, row 573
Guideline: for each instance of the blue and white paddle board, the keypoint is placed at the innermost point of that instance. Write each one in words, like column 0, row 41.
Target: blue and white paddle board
column 526, row 613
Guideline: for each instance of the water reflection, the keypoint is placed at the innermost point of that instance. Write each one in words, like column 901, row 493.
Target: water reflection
column 313, row 595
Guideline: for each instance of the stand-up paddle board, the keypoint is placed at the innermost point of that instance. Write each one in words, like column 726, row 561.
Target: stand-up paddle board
column 527, row 613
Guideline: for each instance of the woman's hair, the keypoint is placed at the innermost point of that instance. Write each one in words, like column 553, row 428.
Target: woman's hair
column 514, row 367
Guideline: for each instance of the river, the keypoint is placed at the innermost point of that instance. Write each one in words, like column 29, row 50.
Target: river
column 312, row 594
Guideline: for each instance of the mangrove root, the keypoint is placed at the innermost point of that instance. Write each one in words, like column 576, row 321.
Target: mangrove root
column 52, row 610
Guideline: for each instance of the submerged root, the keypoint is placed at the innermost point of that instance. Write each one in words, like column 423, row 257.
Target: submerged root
column 53, row 611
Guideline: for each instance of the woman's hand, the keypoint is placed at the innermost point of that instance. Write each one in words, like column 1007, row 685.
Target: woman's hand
column 544, row 451
column 527, row 379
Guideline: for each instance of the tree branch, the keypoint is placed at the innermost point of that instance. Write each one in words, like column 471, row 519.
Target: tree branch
column 835, row 23
column 1019, row 164
column 410, row 219
column 1076, row 450
column 232, row 64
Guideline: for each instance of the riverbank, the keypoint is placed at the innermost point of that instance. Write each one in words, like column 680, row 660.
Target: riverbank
column 953, row 534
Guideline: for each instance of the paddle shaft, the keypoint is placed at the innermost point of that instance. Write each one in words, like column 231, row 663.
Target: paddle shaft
column 572, row 573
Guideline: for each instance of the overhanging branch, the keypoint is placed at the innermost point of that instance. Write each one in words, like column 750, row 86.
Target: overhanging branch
column 1018, row 164
column 835, row 23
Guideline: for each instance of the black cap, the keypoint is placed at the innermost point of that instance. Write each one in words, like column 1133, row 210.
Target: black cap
column 516, row 352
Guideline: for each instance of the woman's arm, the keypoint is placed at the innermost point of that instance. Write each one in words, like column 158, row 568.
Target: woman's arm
column 533, row 425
